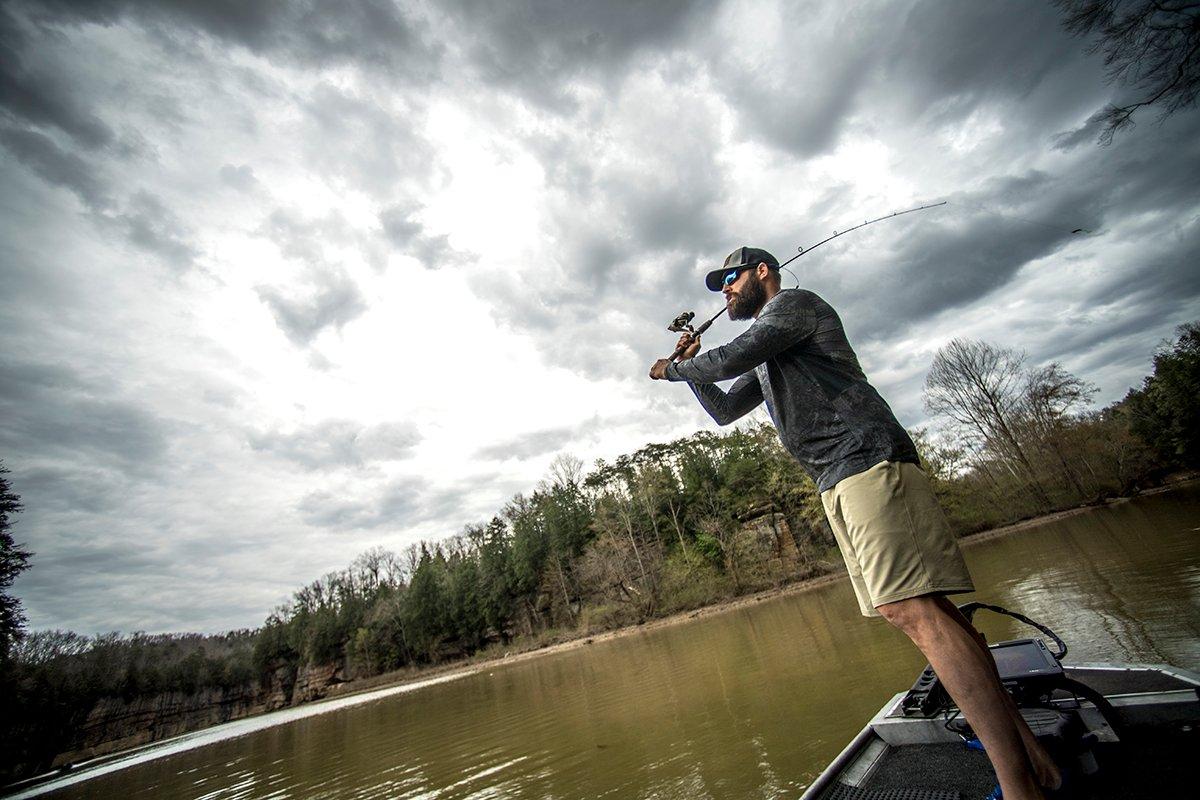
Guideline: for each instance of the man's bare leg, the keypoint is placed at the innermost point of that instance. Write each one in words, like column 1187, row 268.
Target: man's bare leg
column 969, row 675
column 1047, row 772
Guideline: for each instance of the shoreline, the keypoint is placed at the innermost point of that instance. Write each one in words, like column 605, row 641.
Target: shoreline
column 402, row 678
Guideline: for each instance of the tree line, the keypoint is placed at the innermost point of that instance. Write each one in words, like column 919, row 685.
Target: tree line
column 670, row 527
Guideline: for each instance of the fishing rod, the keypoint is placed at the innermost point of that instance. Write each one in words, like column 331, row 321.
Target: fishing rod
column 682, row 323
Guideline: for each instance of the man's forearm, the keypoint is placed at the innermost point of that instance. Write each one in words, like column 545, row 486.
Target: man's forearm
column 726, row 407
column 781, row 325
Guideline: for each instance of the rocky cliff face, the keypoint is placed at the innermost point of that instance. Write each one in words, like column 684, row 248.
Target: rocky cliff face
column 116, row 724
column 315, row 681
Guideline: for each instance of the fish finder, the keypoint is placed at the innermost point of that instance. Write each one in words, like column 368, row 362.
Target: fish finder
column 1027, row 668
column 1025, row 660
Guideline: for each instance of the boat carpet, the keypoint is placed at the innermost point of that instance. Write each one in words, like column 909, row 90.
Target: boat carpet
column 935, row 767
column 1159, row 763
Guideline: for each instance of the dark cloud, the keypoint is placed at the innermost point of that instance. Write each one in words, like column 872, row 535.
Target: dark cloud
column 57, row 166
column 821, row 70
column 375, row 34
column 340, row 443
column 51, row 104
column 82, row 564
column 1085, row 134
column 38, row 94
column 67, row 489
column 398, row 503
column 983, row 52
column 145, row 221
column 149, row 225
column 1164, row 283
column 798, row 100
column 948, row 260
column 50, row 411
column 952, row 257
column 332, row 300
column 539, row 48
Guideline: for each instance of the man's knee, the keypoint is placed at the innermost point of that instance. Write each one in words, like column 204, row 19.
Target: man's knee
column 911, row 615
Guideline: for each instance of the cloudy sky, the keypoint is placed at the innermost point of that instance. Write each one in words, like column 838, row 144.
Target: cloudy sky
column 283, row 281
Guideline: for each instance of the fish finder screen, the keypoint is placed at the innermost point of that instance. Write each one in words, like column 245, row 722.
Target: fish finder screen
column 1028, row 657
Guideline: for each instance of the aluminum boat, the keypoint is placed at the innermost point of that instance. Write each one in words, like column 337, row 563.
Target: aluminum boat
column 1120, row 730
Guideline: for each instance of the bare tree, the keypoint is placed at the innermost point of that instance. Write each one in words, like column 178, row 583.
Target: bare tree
column 565, row 471
column 1051, row 394
column 979, row 387
column 1150, row 45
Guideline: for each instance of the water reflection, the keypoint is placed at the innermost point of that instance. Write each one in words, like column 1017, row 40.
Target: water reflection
column 751, row 703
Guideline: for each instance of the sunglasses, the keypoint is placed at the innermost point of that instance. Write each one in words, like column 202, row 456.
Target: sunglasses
column 732, row 275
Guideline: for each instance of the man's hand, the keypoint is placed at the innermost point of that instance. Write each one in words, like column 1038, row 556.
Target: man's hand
column 690, row 344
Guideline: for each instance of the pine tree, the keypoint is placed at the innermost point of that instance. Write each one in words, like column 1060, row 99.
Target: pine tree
column 13, row 561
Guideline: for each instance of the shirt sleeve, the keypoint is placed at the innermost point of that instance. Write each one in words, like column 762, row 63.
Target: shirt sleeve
column 725, row 407
column 784, row 323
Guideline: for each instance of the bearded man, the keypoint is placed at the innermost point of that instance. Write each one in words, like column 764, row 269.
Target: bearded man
column 902, row 557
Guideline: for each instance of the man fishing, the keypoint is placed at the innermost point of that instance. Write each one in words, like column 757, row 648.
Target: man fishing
column 902, row 558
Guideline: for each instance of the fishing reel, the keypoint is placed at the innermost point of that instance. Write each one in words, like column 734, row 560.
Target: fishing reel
column 683, row 323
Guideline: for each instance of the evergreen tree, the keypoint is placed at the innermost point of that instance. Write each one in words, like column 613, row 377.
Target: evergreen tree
column 1165, row 412
column 425, row 604
column 13, row 561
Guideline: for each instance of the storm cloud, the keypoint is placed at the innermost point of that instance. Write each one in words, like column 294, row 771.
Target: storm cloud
column 354, row 273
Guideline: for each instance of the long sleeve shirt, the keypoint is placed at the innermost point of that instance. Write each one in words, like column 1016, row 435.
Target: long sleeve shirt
column 796, row 358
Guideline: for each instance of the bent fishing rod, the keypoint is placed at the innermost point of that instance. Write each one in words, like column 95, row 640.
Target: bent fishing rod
column 682, row 323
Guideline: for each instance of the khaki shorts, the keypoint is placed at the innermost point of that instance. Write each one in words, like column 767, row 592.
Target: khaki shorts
column 894, row 537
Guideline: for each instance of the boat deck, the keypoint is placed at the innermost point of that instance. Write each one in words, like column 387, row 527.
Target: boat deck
column 1156, row 756
column 952, row 772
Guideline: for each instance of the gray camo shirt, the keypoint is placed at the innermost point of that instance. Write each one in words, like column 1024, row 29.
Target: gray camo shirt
column 796, row 357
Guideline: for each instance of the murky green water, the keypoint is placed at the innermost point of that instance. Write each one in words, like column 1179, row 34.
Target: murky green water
column 751, row 703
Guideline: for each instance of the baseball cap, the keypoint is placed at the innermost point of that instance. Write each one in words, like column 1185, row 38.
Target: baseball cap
column 742, row 257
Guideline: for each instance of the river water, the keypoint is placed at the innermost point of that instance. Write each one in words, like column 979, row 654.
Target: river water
column 751, row 703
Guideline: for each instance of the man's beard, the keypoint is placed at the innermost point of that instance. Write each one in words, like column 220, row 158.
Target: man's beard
column 749, row 300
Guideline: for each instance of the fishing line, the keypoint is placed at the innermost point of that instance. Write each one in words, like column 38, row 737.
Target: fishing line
column 801, row 250
column 1058, row 227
